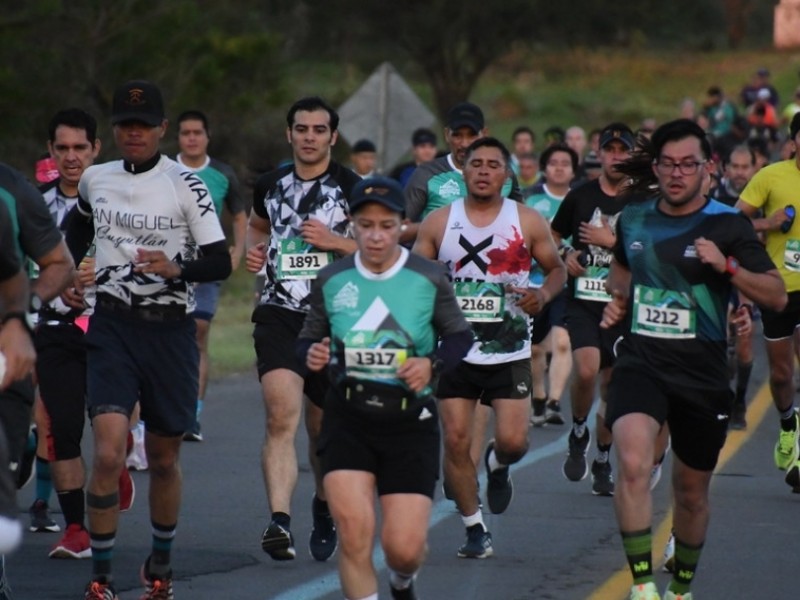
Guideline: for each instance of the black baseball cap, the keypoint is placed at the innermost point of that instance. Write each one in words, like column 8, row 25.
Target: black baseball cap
column 423, row 136
column 794, row 126
column 465, row 114
column 617, row 131
column 363, row 146
column 138, row 100
column 383, row 190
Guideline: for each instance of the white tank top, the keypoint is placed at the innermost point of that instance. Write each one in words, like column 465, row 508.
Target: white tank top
column 484, row 262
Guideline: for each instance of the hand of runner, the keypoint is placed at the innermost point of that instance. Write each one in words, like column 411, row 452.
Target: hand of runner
column 416, row 372
column 256, row 257
column 73, row 296
column 17, row 346
column 599, row 236
column 236, row 257
column 709, row 254
column 319, row 354
column 85, row 272
column 532, row 300
column 614, row 311
column 574, row 267
column 157, row 263
column 741, row 320
column 318, row 235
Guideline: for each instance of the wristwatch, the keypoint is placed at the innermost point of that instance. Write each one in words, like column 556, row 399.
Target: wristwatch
column 25, row 318
column 35, row 304
column 731, row 266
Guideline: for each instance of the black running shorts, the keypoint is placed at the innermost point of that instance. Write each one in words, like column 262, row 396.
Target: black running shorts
column 553, row 315
column 504, row 381
column 781, row 325
column 403, row 456
column 61, row 371
column 275, row 337
column 583, row 325
column 698, row 418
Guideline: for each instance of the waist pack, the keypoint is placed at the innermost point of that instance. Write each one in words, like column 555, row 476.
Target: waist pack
column 381, row 400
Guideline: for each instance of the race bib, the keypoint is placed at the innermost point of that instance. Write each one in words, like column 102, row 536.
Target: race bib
column 791, row 255
column 364, row 360
column 299, row 260
column 663, row 314
column 480, row 301
column 592, row 285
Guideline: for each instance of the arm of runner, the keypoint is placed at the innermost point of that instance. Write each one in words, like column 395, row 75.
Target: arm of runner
column 618, row 285
column 544, row 251
column 313, row 346
column 427, row 243
column 56, row 271
column 258, row 230
column 239, row 238
column 213, row 265
column 766, row 288
column 318, row 235
column 771, row 223
column 15, row 340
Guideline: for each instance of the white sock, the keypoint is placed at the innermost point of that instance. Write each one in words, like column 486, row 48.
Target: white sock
column 494, row 464
column 475, row 519
column 400, row 581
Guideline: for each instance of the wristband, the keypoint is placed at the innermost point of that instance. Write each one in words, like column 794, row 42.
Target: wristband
column 731, row 267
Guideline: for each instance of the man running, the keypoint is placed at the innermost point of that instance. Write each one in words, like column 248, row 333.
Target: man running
column 299, row 223
column 487, row 242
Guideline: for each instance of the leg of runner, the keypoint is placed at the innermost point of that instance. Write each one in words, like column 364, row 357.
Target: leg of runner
column 582, row 392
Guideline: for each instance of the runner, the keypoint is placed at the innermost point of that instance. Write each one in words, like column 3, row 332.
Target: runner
column 676, row 259
column 587, row 216
column 773, row 190
column 222, row 183
column 150, row 217
column 487, row 242
column 380, row 431
column 299, row 223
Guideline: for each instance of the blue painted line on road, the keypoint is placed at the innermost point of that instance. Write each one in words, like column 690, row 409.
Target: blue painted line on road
column 442, row 509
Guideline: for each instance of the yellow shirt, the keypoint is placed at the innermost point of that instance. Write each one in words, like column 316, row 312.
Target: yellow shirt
column 772, row 189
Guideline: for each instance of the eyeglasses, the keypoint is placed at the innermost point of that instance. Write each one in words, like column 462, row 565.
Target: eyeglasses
column 685, row 167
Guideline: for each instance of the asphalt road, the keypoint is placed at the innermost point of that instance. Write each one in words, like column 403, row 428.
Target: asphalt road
column 555, row 541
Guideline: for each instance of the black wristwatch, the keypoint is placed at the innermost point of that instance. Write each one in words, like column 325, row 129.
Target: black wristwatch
column 25, row 318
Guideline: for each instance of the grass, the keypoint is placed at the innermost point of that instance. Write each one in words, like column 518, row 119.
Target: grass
column 580, row 86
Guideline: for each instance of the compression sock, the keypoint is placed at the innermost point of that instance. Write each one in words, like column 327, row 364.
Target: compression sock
column 686, row 559
column 161, row 554
column 44, row 483
column 743, row 371
column 639, row 552
column 72, row 505
column 788, row 420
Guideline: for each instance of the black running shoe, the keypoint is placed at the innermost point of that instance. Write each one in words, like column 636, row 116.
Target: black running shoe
column 277, row 541
column 553, row 413
column 575, row 467
column 499, row 488
column 538, row 417
column 738, row 421
column 478, row 544
column 323, row 541
column 406, row 594
column 195, row 434
column 602, row 480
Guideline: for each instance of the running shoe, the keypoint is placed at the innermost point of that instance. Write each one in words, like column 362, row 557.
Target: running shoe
column 406, row 594
column 553, row 413
column 645, row 591
column 156, row 588
column 40, row 518
column 499, row 488
column 5, row 589
column 100, row 590
column 787, row 449
column 669, row 554
column 478, row 544
column 195, row 434
column 277, row 541
column 127, row 490
column 669, row 595
column 539, row 413
column 137, row 457
column 74, row 544
column 575, row 467
column 323, row 540
column 738, row 421
column 793, row 475
column 602, row 480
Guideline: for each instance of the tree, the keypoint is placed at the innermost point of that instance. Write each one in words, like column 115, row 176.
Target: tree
column 737, row 15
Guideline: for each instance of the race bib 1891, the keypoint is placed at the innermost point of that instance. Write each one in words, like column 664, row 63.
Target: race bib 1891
column 663, row 313
column 299, row 260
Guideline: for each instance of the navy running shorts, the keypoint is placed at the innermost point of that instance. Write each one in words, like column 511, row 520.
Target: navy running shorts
column 206, row 298
column 155, row 363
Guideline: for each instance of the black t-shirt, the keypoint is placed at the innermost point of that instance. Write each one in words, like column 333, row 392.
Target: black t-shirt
column 588, row 203
column 9, row 259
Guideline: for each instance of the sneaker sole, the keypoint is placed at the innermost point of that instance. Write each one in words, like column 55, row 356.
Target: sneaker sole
column 554, row 420
column 193, row 437
column 65, row 553
column 605, row 493
column 278, row 549
column 54, row 528
column 499, row 500
column 325, row 554
column 486, row 554
column 793, row 476
column 538, row 421
column 573, row 471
